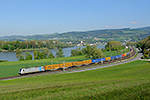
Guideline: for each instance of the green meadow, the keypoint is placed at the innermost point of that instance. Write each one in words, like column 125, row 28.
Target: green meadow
column 12, row 68
column 130, row 81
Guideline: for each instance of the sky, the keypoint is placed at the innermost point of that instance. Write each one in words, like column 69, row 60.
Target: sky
column 37, row 17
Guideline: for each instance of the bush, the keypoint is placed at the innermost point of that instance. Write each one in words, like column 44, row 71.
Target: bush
column 28, row 56
column 0, row 50
column 146, row 56
column 142, row 57
column 3, row 60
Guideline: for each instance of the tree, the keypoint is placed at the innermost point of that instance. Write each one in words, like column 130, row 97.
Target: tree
column 59, row 53
column 21, row 57
column 38, row 55
column 32, row 44
column 41, row 55
column 17, row 44
column 73, row 52
column 40, row 43
column 88, row 51
column 5, row 47
column 76, row 52
column 19, row 54
column 35, row 55
column 97, row 53
column 113, row 46
column 50, row 55
column 12, row 47
column 28, row 56
column 93, row 52
column 0, row 50
column 45, row 52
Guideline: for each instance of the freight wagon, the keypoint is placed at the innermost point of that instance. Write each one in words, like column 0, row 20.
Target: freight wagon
column 52, row 67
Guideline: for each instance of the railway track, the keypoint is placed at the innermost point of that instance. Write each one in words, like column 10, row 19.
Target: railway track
column 73, row 68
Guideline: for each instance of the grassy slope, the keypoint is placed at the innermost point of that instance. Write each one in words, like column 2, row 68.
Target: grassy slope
column 126, row 81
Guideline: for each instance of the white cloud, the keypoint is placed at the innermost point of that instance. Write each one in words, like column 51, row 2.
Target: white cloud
column 110, row 26
column 133, row 22
column 106, row 26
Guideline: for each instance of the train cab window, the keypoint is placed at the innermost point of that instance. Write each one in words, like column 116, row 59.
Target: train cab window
column 20, row 70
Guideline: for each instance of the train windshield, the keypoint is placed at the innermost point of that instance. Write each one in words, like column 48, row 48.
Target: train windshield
column 20, row 70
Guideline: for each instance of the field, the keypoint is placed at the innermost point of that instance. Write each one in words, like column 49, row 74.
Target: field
column 127, row 81
column 12, row 68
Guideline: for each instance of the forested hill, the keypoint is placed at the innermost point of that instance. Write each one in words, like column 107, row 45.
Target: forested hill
column 104, row 35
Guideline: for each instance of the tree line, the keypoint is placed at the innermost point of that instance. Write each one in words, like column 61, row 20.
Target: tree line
column 13, row 45
column 45, row 54
column 90, row 51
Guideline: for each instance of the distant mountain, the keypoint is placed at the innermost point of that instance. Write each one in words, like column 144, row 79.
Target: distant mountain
column 123, row 35
column 144, row 28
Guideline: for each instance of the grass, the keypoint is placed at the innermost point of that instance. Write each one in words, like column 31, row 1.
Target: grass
column 12, row 68
column 114, row 53
column 111, row 53
column 126, row 81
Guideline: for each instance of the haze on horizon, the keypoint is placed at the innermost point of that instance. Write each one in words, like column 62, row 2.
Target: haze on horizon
column 34, row 17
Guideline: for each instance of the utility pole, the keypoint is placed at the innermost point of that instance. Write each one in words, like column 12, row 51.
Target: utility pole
column 102, row 61
column 51, row 61
column 64, row 65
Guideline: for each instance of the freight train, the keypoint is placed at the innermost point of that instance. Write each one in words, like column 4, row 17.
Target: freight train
column 70, row 64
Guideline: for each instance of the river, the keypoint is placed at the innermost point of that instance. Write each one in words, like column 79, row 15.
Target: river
column 11, row 56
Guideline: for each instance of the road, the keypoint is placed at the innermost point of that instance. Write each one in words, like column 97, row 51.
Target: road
column 138, row 57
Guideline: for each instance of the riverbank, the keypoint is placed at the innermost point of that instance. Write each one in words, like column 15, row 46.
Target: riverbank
column 38, row 49
column 25, row 50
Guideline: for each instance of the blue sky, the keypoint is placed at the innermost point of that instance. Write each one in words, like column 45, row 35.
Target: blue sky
column 32, row 17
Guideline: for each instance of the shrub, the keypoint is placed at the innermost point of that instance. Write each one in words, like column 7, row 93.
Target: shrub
column 0, row 50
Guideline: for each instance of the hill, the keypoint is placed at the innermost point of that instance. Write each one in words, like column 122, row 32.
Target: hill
column 129, row 81
column 105, row 35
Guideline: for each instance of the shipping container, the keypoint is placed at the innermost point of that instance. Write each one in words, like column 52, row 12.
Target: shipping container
column 108, row 58
column 87, row 62
column 53, row 67
column 67, row 64
column 77, row 63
